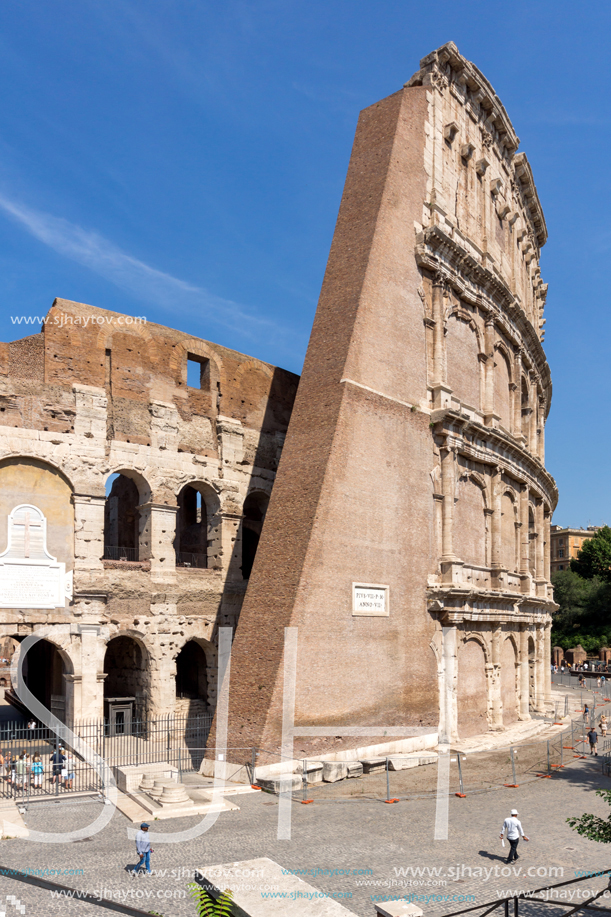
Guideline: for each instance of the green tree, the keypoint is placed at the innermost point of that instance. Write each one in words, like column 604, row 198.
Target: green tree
column 593, row 827
column 207, row 906
column 594, row 559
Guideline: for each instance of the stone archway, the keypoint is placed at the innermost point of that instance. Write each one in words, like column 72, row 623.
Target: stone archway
column 127, row 675
column 255, row 508
column 472, row 689
column 509, row 682
column 192, row 680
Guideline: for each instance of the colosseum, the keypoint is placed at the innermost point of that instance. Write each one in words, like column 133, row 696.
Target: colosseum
column 406, row 542
column 407, row 538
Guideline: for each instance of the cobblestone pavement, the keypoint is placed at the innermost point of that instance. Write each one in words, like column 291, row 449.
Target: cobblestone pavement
column 362, row 840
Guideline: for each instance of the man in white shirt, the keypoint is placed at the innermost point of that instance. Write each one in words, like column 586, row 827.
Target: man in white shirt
column 513, row 828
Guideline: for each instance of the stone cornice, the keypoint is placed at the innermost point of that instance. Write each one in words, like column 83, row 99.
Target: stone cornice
column 436, row 251
column 453, row 605
column 531, row 198
column 446, row 67
column 502, row 443
column 472, row 84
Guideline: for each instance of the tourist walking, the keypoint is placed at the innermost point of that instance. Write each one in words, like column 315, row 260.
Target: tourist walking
column 143, row 849
column 603, row 725
column 513, row 828
column 586, row 713
column 593, row 739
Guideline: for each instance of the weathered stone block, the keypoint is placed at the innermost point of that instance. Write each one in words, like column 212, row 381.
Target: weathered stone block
column 333, row 771
column 373, row 765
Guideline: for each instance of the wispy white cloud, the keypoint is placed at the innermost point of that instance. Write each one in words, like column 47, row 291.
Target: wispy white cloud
column 144, row 282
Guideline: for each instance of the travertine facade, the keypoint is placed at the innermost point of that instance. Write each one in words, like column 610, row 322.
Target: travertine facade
column 96, row 395
column 414, row 458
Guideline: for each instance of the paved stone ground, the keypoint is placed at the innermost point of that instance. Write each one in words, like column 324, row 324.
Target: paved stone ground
column 346, row 835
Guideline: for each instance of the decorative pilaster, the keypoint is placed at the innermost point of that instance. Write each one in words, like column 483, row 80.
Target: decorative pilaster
column 524, row 540
column 494, row 682
column 157, row 533
column 547, row 662
column 448, row 724
column 448, row 484
column 524, row 675
column 496, row 526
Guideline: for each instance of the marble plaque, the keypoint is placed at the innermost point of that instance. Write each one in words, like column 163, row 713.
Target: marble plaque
column 30, row 577
column 370, row 600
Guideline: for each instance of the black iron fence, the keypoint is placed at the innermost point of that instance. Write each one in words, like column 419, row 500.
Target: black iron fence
column 114, row 552
column 200, row 561
column 36, row 763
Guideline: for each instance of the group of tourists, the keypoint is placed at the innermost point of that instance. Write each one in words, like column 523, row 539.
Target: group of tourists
column 23, row 769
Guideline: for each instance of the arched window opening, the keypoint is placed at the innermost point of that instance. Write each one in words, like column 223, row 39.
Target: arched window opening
column 121, row 519
column 126, row 684
column 191, row 680
column 255, row 508
column 525, row 396
column 532, row 542
column 191, row 529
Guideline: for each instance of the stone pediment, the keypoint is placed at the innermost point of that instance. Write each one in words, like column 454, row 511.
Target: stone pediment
column 30, row 577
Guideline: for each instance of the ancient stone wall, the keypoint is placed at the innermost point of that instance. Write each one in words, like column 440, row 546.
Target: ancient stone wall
column 96, row 395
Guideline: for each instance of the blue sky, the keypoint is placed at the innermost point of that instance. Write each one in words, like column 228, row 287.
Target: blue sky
column 185, row 160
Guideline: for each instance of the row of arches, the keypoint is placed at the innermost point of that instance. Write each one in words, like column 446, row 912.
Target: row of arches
column 198, row 523
column 514, row 397
column 474, row 690
column 473, row 523
column 127, row 670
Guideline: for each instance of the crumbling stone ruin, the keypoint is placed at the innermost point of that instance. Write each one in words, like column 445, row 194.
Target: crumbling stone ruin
column 150, row 494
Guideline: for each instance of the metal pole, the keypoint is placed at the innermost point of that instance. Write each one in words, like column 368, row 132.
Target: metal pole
column 548, row 766
column 513, row 765
column 387, row 781
column 304, row 782
column 462, row 789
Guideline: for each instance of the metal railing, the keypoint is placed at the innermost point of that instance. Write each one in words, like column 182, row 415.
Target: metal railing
column 199, row 561
column 530, row 896
column 176, row 740
column 115, row 552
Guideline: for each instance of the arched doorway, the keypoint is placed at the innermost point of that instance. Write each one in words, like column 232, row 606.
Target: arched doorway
column 472, row 689
column 191, row 680
column 43, row 673
column 126, row 686
column 509, row 682
column 255, row 508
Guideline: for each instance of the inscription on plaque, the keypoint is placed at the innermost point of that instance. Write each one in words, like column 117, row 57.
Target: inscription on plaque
column 370, row 600
column 30, row 577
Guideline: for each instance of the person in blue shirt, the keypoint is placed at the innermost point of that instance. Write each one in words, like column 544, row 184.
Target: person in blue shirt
column 143, row 849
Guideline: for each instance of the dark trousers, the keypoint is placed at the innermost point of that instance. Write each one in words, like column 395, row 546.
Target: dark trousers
column 513, row 849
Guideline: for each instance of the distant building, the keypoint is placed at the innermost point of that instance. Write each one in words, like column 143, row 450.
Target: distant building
column 566, row 543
